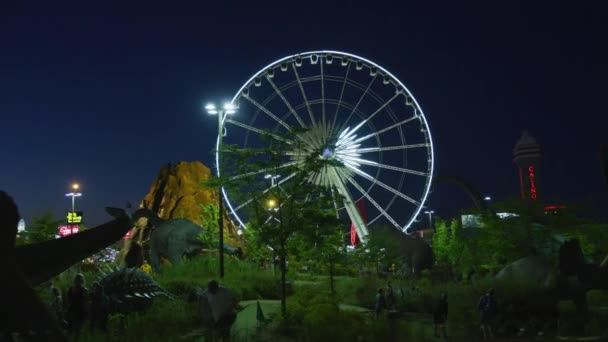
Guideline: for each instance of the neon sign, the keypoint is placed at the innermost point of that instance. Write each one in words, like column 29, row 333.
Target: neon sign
column 532, row 182
column 75, row 217
column 66, row 230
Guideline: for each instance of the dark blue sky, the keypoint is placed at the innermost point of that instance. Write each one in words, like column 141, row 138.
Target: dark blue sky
column 107, row 95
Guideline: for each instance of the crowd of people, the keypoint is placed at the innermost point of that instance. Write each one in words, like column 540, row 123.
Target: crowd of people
column 487, row 307
column 80, row 306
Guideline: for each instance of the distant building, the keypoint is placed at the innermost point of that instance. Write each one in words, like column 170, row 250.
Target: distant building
column 21, row 226
column 526, row 156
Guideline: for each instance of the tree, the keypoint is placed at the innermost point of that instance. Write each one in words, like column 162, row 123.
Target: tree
column 42, row 228
column 209, row 236
column 278, row 211
column 325, row 243
column 441, row 241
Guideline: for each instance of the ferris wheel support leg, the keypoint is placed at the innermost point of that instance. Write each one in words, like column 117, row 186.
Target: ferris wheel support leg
column 351, row 208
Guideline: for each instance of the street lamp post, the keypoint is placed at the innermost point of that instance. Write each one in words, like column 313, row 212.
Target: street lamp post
column 430, row 213
column 228, row 108
column 74, row 194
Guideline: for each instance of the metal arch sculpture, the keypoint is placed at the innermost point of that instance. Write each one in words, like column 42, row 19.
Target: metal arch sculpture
column 468, row 188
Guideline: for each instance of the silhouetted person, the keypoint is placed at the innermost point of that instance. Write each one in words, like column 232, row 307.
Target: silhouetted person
column 380, row 302
column 487, row 310
column 100, row 307
column 218, row 309
column 77, row 304
column 135, row 255
column 440, row 315
column 56, row 303
column 390, row 296
column 21, row 311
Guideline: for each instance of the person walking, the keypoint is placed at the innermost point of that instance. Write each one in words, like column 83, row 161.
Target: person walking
column 100, row 307
column 56, row 304
column 218, row 310
column 390, row 296
column 487, row 311
column 380, row 302
column 77, row 304
column 440, row 316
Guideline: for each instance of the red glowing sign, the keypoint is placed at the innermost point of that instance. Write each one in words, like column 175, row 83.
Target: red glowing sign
column 128, row 235
column 532, row 182
column 555, row 207
column 354, row 239
column 66, row 230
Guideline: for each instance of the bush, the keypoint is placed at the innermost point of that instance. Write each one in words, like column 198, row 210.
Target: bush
column 245, row 279
column 165, row 320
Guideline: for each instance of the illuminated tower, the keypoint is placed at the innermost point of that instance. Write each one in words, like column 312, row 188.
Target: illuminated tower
column 526, row 155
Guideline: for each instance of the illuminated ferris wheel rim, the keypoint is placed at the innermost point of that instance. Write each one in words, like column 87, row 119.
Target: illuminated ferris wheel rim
column 353, row 58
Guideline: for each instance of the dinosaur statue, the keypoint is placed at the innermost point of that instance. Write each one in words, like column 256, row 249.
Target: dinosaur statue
column 30, row 265
column 570, row 281
column 130, row 289
column 173, row 238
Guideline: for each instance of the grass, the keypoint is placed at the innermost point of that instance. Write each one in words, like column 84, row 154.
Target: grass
column 314, row 313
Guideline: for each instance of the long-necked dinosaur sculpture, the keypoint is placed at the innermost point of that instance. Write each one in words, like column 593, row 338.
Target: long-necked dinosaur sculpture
column 26, row 266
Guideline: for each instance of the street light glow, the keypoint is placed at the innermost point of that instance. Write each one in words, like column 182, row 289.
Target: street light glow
column 75, row 186
column 487, row 198
column 271, row 203
column 210, row 106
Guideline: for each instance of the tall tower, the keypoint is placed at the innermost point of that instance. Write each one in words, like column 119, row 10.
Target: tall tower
column 526, row 156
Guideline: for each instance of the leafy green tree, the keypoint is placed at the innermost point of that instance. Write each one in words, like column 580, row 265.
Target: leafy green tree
column 42, row 228
column 324, row 244
column 281, row 209
column 209, row 236
column 441, row 241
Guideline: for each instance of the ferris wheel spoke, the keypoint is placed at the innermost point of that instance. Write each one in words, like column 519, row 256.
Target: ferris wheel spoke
column 390, row 148
column 333, row 124
column 266, row 170
column 388, row 167
column 277, row 184
column 373, row 114
column 358, row 103
column 387, row 187
column 268, row 112
column 374, row 203
column 312, row 117
column 323, row 122
column 280, row 93
column 397, row 124
column 259, row 131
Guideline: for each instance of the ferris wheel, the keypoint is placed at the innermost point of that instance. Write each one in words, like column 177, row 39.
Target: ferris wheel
column 351, row 110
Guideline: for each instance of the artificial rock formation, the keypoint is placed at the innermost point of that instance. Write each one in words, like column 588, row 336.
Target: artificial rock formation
column 177, row 193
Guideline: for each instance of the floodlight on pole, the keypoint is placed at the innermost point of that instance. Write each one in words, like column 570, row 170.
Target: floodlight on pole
column 227, row 108
column 487, row 198
column 74, row 195
column 430, row 213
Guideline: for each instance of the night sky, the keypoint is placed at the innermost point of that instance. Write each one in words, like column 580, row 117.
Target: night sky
column 107, row 95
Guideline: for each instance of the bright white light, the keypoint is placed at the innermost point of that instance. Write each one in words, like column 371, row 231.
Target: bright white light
column 487, row 198
column 72, row 194
column 239, row 232
column 429, row 212
column 210, row 106
column 21, row 226
column 229, row 106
